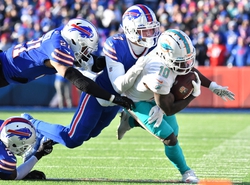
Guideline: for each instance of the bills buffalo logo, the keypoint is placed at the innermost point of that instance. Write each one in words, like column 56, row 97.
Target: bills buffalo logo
column 132, row 14
column 84, row 31
column 23, row 133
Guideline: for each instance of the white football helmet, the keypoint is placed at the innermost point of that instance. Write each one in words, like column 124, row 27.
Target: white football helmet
column 82, row 36
column 17, row 134
column 140, row 25
column 176, row 50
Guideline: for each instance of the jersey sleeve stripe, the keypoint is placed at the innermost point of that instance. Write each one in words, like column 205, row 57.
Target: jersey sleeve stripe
column 64, row 54
column 61, row 59
column 109, row 55
column 109, row 51
column 107, row 47
column 8, row 163
column 6, row 168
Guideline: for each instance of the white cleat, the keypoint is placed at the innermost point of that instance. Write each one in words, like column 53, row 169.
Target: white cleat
column 124, row 125
column 189, row 177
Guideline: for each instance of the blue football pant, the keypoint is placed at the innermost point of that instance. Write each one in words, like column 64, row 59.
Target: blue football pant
column 168, row 126
column 88, row 121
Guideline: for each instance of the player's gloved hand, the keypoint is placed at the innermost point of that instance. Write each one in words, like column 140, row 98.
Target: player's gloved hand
column 45, row 149
column 35, row 174
column 124, row 102
column 197, row 86
column 155, row 114
column 222, row 92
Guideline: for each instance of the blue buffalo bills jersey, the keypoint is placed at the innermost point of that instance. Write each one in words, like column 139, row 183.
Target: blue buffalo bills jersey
column 7, row 158
column 26, row 62
column 117, row 48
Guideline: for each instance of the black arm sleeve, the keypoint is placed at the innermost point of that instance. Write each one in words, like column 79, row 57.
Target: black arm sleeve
column 85, row 84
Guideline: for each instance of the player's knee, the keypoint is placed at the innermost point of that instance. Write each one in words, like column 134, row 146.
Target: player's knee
column 170, row 140
column 73, row 144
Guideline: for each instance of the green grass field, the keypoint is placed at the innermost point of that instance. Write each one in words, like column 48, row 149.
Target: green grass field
column 216, row 146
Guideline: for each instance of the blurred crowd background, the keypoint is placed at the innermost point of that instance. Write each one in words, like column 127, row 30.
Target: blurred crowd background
column 219, row 29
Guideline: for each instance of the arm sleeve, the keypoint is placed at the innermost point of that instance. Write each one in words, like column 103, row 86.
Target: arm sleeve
column 85, row 84
column 122, row 81
column 115, row 71
column 25, row 168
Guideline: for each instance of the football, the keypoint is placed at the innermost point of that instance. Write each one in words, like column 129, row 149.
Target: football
column 183, row 86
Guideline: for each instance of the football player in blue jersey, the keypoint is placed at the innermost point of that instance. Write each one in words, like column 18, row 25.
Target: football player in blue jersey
column 57, row 51
column 94, row 114
column 17, row 135
column 122, row 51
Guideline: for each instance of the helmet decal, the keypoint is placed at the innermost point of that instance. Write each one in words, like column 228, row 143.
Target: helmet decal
column 166, row 46
column 132, row 14
column 23, row 133
column 183, row 39
column 147, row 13
column 18, row 135
column 84, row 30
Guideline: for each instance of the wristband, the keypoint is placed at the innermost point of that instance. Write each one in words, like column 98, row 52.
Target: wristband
column 212, row 85
column 112, row 98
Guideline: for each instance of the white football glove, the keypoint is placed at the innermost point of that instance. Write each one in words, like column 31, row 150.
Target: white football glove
column 221, row 91
column 155, row 114
column 197, row 86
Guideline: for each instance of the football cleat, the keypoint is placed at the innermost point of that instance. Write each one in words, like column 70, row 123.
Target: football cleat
column 124, row 125
column 27, row 116
column 189, row 177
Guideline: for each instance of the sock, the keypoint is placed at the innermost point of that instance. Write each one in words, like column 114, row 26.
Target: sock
column 175, row 155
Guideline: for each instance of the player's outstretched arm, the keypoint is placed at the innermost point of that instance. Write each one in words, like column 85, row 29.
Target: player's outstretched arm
column 89, row 86
column 221, row 91
column 123, row 82
column 24, row 169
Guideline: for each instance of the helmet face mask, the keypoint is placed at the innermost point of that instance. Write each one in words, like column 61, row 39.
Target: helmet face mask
column 176, row 51
column 82, row 37
column 140, row 25
column 18, row 135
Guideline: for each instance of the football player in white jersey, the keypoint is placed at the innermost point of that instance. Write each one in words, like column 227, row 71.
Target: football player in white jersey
column 174, row 55
column 141, row 31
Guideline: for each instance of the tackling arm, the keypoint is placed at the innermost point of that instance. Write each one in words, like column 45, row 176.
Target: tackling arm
column 89, row 86
column 122, row 82
column 81, row 82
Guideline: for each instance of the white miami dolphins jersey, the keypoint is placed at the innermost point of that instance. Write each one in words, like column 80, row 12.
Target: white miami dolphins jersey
column 156, row 77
